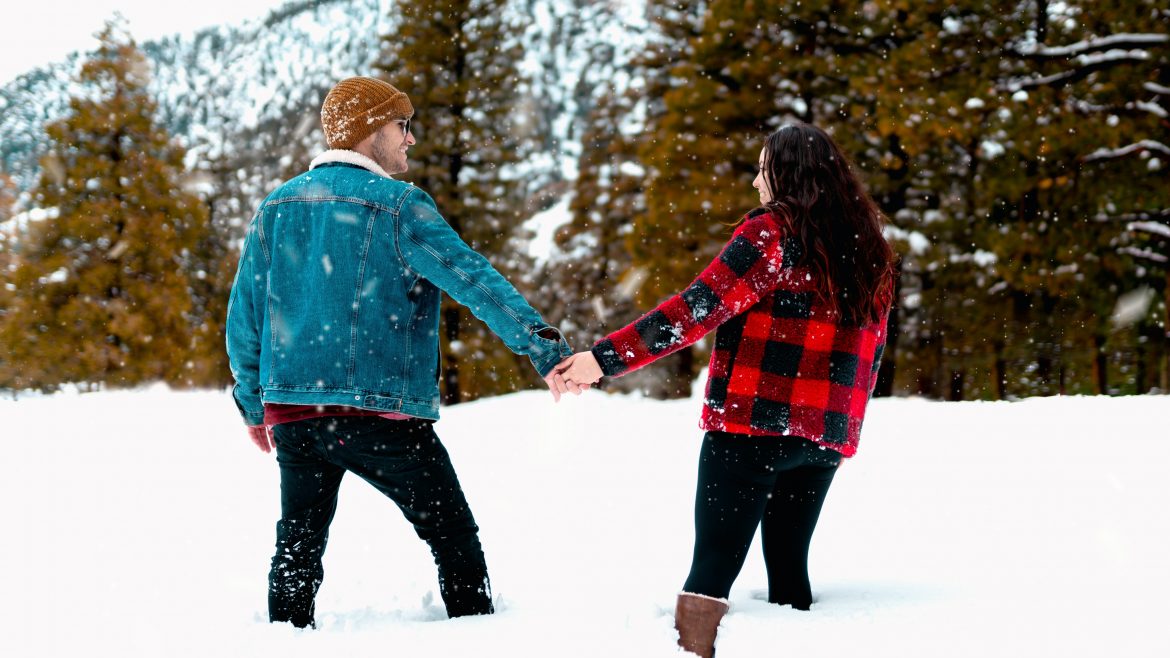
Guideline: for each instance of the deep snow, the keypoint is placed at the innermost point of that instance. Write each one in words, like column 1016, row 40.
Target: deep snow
column 139, row 523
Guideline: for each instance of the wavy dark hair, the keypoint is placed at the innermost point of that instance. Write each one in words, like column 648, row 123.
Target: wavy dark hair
column 839, row 228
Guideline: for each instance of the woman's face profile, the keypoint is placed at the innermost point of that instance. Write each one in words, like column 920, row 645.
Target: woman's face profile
column 761, row 183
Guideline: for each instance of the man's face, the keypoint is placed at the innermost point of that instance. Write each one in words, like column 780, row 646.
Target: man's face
column 389, row 145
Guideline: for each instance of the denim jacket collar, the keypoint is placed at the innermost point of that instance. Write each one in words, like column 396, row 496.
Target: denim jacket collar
column 346, row 156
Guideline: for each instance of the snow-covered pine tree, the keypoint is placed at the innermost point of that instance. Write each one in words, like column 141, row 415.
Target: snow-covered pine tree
column 591, row 268
column 104, row 279
column 724, row 75
column 457, row 60
column 7, row 260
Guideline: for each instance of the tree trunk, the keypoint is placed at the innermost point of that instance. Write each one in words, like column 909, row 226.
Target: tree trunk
column 1100, row 366
column 956, row 389
column 1000, row 372
column 1165, row 382
column 451, row 391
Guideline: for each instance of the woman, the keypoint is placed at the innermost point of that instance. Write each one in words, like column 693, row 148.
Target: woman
column 799, row 297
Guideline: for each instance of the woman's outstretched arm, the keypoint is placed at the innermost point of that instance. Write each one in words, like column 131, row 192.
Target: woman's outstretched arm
column 746, row 269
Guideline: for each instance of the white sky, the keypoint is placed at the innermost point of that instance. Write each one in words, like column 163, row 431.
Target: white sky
column 35, row 32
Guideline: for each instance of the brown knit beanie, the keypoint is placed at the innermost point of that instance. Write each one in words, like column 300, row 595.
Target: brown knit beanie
column 357, row 107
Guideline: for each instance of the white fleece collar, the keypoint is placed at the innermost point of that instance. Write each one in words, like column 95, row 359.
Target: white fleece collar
column 348, row 157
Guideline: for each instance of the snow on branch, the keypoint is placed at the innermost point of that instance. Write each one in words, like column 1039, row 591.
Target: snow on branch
column 1112, row 41
column 1152, row 108
column 1156, row 228
column 1144, row 253
column 1156, row 88
column 1113, row 154
column 1141, row 216
column 1086, row 64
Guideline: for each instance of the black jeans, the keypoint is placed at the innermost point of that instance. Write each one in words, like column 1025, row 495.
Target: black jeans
column 746, row 481
column 405, row 461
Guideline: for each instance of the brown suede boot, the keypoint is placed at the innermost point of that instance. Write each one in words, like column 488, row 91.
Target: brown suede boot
column 696, row 618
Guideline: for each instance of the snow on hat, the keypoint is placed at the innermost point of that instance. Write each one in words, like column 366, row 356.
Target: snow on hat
column 357, row 107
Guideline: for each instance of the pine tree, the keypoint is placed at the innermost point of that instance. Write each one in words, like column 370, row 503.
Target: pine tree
column 593, row 271
column 457, row 60
column 7, row 262
column 992, row 108
column 727, row 73
column 104, row 281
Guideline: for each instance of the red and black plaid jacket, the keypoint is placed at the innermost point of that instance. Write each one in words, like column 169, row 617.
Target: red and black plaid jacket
column 783, row 363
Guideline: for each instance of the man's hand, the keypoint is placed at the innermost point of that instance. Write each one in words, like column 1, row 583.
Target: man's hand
column 581, row 370
column 261, row 435
column 557, row 384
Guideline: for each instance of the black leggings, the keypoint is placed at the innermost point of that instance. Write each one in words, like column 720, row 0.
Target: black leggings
column 743, row 481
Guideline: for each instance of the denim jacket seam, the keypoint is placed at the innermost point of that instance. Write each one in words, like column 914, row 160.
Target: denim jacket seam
column 355, row 311
column 409, row 337
column 397, row 210
column 397, row 226
column 350, row 390
column 466, row 278
column 332, row 198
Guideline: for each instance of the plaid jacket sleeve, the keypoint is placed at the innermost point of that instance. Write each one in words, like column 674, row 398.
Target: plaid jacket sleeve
column 747, row 269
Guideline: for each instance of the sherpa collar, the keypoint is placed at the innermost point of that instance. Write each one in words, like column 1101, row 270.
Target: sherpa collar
column 348, row 157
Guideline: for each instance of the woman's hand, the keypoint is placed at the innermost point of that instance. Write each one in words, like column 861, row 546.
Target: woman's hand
column 580, row 369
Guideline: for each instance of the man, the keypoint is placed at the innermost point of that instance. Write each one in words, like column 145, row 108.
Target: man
column 333, row 338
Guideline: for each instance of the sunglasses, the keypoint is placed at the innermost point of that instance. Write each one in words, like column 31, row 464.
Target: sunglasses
column 405, row 123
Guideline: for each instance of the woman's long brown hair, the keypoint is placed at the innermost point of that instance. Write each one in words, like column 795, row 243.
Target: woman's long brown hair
column 838, row 226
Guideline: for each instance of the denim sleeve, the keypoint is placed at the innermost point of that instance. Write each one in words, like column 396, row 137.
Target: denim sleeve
column 244, row 317
column 431, row 248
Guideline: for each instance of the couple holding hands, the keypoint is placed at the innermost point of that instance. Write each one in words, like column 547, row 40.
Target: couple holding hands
column 332, row 335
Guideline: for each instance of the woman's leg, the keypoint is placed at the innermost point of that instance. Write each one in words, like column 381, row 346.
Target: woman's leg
column 736, row 476
column 789, row 521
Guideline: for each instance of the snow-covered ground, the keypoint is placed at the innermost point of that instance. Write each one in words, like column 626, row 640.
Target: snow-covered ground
column 140, row 524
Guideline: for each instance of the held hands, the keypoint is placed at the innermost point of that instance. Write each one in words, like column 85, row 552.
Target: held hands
column 573, row 375
column 261, row 435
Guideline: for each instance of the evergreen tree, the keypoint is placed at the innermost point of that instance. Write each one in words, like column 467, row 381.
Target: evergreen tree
column 593, row 271
column 993, row 107
column 104, row 282
column 727, row 73
column 663, row 248
column 7, row 261
column 457, row 60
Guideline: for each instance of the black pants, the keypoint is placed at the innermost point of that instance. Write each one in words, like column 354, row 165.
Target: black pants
column 748, row 481
column 405, row 461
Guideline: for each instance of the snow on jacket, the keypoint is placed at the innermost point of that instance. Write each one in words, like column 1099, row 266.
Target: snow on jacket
column 783, row 364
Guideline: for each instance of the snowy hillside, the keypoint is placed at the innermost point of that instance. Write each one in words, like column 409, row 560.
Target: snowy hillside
column 140, row 524
column 246, row 96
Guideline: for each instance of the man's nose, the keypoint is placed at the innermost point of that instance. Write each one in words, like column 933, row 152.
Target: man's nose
column 410, row 140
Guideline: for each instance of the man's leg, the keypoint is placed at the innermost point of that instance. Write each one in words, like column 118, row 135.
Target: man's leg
column 308, row 500
column 405, row 460
column 789, row 521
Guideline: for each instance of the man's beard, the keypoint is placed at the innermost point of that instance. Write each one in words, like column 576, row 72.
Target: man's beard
column 384, row 156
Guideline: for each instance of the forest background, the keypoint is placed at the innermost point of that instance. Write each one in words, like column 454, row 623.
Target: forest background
column 1018, row 149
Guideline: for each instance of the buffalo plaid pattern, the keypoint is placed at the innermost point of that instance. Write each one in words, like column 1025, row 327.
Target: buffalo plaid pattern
column 783, row 363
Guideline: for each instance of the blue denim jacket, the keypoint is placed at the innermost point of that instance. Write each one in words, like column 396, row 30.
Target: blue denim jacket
column 336, row 300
